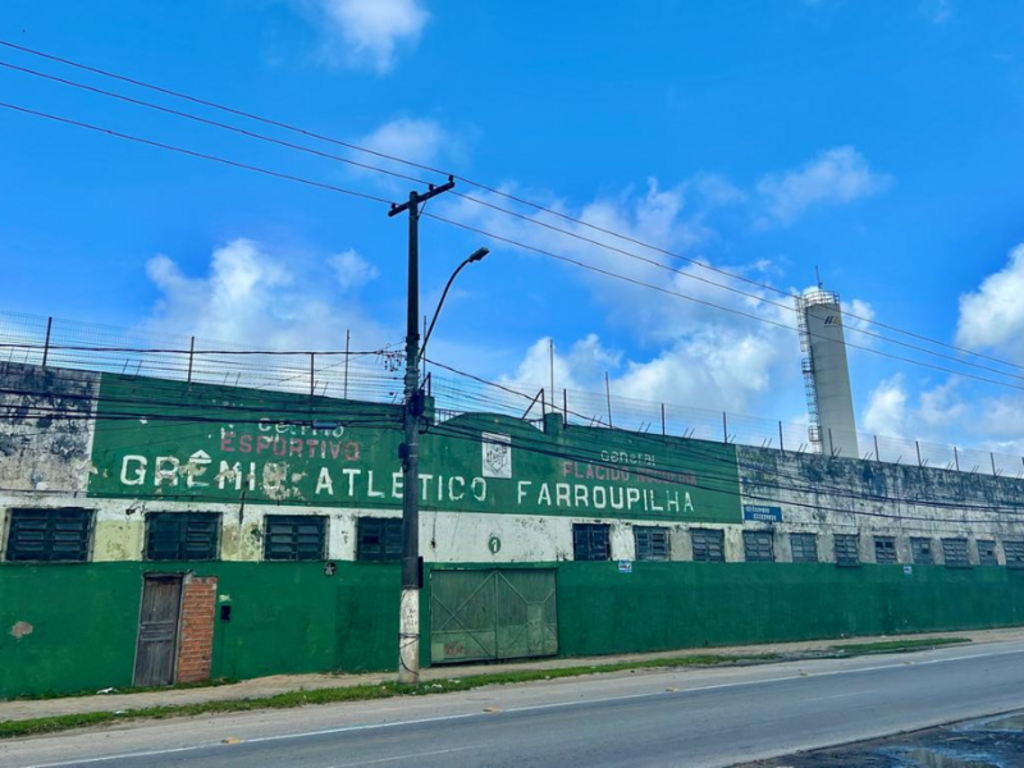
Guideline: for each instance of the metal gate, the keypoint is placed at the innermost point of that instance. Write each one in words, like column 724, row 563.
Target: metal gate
column 158, row 629
column 492, row 614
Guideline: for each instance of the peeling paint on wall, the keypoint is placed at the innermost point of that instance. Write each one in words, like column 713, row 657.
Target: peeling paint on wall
column 20, row 629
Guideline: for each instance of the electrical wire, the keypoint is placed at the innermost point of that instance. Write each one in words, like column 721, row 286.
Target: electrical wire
column 477, row 184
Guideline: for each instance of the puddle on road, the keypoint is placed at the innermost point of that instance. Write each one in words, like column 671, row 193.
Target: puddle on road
column 927, row 758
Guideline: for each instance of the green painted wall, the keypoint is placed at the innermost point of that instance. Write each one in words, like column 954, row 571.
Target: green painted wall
column 286, row 618
column 164, row 439
column 662, row 606
column 292, row 618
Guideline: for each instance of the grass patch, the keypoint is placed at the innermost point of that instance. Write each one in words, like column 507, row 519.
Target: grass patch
column 896, row 646
column 117, row 691
column 19, row 728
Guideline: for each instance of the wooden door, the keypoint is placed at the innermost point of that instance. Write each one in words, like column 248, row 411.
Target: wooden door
column 158, row 630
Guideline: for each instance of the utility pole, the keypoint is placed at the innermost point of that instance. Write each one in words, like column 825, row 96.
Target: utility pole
column 412, row 567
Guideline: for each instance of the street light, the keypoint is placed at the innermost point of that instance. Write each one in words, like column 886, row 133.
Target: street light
column 412, row 567
column 475, row 256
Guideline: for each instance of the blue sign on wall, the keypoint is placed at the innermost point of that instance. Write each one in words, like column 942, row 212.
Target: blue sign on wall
column 762, row 514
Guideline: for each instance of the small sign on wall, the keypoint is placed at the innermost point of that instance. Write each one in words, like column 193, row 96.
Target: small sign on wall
column 625, row 566
column 762, row 514
column 497, row 455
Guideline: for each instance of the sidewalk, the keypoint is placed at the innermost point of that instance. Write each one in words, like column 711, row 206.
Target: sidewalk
column 269, row 686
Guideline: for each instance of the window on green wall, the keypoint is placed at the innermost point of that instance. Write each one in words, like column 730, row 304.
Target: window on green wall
column 757, row 547
column 987, row 552
column 804, row 546
column 182, row 535
column 955, row 552
column 885, row 550
column 651, row 542
column 846, row 548
column 708, row 545
column 1014, row 551
column 58, row 535
column 590, row 541
column 379, row 538
column 921, row 549
column 295, row 537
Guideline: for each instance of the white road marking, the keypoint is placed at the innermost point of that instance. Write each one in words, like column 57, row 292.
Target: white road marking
column 403, row 757
column 531, row 708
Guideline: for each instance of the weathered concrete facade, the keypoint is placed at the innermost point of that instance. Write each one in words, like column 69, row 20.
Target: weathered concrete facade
column 498, row 495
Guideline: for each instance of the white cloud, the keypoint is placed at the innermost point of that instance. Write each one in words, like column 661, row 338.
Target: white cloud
column 418, row 140
column 366, row 33
column 887, row 410
column 253, row 297
column 835, row 176
column 937, row 11
column 352, row 270
column 993, row 316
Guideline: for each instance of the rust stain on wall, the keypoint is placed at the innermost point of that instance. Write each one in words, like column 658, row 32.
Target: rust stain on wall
column 21, row 629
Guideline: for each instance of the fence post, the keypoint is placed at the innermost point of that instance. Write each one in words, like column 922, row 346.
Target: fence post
column 312, row 375
column 348, row 340
column 917, row 446
column 725, row 428
column 782, row 446
column 992, row 456
column 608, row 397
column 191, row 352
column 46, row 344
column 663, row 420
column 565, row 407
column 878, row 456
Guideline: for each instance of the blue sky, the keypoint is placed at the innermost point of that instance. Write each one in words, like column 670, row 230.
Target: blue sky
column 880, row 141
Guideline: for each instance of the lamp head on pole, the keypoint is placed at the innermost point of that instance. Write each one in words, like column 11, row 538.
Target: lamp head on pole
column 478, row 254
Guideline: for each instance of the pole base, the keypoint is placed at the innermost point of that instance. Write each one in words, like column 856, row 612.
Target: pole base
column 409, row 638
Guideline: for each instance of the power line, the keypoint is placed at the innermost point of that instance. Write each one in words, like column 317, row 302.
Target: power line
column 550, row 254
column 731, row 310
column 575, row 235
column 480, row 185
column 193, row 153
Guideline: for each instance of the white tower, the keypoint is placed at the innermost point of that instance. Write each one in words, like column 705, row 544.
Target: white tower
column 826, row 375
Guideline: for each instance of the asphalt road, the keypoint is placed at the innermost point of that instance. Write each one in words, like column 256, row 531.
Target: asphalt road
column 691, row 718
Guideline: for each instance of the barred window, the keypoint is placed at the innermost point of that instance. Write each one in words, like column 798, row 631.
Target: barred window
column 804, row 546
column 295, row 537
column 987, row 552
column 757, row 547
column 955, row 552
column 182, row 535
column 379, row 538
column 651, row 542
column 921, row 549
column 846, row 549
column 49, row 535
column 1014, row 551
column 590, row 541
column 885, row 550
column 708, row 545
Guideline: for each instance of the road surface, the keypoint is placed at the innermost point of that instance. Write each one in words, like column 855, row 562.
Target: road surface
column 693, row 718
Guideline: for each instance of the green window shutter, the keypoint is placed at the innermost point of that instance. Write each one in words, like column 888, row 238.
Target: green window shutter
column 182, row 535
column 885, row 550
column 651, row 542
column 379, row 539
column 591, row 541
column 955, row 552
column 921, row 549
column 1014, row 553
column 987, row 552
column 708, row 545
column 757, row 547
column 804, row 546
column 49, row 535
column 846, row 548
column 294, row 537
